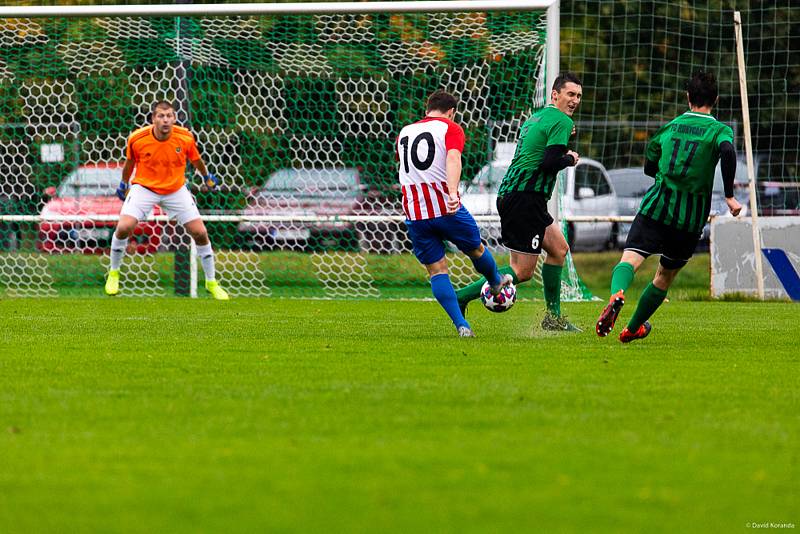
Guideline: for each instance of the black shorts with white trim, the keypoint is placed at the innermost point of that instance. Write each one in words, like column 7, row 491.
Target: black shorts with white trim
column 523, row 221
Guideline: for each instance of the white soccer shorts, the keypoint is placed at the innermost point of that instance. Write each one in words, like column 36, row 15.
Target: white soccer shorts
column 178, row 205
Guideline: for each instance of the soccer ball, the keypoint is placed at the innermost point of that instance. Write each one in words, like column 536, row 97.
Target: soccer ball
column 500, row 302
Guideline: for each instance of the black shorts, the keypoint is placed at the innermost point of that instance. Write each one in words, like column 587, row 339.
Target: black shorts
column 648, row 236
column 523, row 220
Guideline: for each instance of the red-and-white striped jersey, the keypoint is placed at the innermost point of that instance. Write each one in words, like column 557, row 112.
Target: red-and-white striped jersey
column 422, row 152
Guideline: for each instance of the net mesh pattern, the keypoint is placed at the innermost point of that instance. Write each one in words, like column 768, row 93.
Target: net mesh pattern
column 296, row 113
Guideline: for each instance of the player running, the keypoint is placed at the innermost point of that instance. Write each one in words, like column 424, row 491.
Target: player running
column 429, row 153
column 681, row 157
column 526, row 226
column 159, row 153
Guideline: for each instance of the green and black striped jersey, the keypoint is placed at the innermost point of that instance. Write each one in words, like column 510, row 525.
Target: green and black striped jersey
column 548, row 126
column 687, row 151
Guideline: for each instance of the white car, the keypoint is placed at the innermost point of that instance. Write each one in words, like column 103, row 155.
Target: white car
column 587, row 191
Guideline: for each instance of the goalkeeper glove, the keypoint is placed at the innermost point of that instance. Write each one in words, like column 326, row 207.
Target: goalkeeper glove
column 122, row 190
column 210, row 181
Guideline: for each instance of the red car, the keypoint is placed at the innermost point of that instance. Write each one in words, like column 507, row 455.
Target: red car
column 87, row 192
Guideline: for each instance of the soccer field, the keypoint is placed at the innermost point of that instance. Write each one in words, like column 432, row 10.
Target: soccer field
column 170, row 415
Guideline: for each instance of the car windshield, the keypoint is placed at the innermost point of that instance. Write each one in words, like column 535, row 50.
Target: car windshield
column 327, row 180
column 91, row 181
column 489, row 178
column 630, row 182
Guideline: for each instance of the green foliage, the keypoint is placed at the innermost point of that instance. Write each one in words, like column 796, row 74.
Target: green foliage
column 35, row 60
column 476, row 148
column 250, row 55
column 73, row 30
column 291, row 28
column 375, row 158
column 140, row 52
column 311, row 107
column 464, row 51
column 262, row 154
column 512, row 80
column 11, row 104
column 104, row 104
column 213, row 101
column 408, row 94
column 634, row 57
column 350, row 60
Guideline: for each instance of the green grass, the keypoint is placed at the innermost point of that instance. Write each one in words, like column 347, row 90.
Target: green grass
column 171, row 415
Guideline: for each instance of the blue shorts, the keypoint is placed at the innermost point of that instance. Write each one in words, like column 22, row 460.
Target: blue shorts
column 428, row 235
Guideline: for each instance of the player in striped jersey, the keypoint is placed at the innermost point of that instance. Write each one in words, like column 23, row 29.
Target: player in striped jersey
column 681, row 156
column 526, row 226
column 429, row 153
column 159, row 153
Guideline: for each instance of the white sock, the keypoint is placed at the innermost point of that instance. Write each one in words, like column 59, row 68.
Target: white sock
column 206, row 256
column 118, row 247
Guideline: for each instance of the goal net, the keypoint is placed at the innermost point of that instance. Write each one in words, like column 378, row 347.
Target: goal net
column 297, row 113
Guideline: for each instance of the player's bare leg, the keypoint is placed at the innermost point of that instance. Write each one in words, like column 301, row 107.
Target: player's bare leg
column 197, row 229
column 119, row 242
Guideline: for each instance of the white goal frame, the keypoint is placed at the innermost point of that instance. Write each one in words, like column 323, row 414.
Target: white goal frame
column 552, row 58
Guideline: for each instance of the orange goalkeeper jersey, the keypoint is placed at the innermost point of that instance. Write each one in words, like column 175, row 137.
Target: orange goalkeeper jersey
column 161, row 165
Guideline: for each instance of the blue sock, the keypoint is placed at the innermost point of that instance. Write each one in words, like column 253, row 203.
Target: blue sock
column 446, row 295
column 487, row 267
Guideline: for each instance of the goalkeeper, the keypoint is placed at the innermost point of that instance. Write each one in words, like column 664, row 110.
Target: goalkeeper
column 159, row 153
column 681, row 157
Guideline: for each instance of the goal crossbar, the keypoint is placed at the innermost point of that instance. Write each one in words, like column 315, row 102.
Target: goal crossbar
column 180, row 10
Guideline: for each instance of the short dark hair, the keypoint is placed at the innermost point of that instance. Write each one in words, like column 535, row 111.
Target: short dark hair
column 163, row 104
column 442, row 101
column 702, row 89
column 563, row 79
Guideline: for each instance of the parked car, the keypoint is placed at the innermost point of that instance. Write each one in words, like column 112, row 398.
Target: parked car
column 778, row 199
column 304, row 193
column 88, row 191
column 778, row 184
column 588, row 192
column 630, row 185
